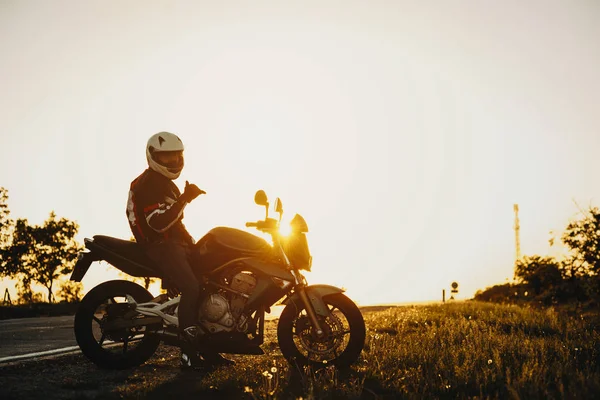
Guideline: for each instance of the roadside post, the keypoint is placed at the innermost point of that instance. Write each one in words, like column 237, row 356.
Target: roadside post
column 454, row 290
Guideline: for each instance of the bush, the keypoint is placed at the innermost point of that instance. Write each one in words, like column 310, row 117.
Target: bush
column 37, row 310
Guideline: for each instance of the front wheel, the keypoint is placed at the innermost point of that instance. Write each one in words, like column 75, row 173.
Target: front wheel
column 341, row 343
column 108, row 329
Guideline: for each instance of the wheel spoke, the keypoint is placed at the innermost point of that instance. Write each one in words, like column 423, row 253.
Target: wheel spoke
column 335, row 351
column 97, row 320
column 125, row 342
column 102, row 339
column 341, row 334
column 338, row 327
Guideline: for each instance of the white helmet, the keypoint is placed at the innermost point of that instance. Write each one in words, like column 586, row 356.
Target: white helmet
column 165, row 142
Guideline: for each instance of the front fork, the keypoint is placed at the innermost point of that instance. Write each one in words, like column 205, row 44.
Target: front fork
column 312, row 315
column 300, row 287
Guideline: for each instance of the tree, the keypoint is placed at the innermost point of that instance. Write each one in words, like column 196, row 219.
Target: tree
column 71, row 291
column 5, row 226
column 582, row 237
column 24, row 292
column 14, row 246
column 539, row 273
column 5, row 221
column 15, row 254
column 42, row 253
column 56, row 251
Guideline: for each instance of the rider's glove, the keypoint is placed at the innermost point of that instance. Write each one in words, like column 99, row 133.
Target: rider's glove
column 190, row 192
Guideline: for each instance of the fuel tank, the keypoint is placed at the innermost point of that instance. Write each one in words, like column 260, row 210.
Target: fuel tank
column 223, row 244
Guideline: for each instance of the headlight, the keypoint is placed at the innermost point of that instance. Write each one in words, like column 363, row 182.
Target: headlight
column 298, row 224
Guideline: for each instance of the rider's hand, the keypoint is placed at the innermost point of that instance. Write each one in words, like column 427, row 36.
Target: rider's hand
column 190, row 192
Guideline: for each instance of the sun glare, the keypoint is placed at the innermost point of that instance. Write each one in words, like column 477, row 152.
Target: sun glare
column 285, row 229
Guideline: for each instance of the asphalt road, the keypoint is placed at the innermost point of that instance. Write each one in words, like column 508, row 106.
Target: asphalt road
column 31, row 335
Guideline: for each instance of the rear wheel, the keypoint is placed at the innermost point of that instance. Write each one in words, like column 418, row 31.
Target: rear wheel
column 108, row 329
column 341, row 343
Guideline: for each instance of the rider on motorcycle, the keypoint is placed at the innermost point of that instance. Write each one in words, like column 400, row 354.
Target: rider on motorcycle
column 155, row 210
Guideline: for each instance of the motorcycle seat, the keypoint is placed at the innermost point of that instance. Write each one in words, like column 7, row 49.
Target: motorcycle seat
column 127, row 256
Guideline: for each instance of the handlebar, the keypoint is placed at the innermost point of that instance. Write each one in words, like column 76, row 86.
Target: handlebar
column 267, row 224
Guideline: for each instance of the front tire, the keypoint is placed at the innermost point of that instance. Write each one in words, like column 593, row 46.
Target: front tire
column 117, row 348
column 342, row 343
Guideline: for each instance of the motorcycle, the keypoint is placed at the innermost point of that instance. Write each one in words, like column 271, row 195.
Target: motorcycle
column 120, row 325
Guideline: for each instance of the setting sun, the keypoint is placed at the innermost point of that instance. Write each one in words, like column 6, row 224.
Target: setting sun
column 284, row 228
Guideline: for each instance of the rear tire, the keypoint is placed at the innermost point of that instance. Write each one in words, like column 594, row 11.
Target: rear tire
column 289, row 328
column 85, row 319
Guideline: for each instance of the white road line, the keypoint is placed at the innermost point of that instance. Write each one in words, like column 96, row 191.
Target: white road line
column 39, row 354
column 64, row 350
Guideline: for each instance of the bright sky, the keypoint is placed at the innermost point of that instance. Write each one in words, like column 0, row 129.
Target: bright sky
column 402, row 131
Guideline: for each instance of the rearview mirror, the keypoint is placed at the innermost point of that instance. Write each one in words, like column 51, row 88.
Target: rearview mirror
column 260, row 198
column 278, row 206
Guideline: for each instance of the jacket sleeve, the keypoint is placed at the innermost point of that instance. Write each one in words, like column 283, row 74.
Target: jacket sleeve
column 188, row 238
column 161, row 216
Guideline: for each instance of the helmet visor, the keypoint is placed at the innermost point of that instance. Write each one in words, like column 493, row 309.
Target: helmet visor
column 173, row 160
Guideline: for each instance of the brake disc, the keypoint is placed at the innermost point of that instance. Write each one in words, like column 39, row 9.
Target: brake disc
column 325, row 344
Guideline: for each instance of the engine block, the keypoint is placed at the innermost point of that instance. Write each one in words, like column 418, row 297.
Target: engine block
column 222, row 311
column 214, row 307
column 215, row 314
column 244, row 283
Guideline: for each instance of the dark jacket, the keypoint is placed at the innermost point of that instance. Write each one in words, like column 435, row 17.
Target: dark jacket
column 154, row 210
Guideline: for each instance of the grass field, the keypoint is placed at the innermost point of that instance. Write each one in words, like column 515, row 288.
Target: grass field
column 456, row 350
column 482, row 350
column 460, row 350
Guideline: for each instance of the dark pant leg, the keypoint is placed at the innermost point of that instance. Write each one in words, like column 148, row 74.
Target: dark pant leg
column 172, row 260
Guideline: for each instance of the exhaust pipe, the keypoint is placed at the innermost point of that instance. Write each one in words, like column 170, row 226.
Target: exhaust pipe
column 169, row 338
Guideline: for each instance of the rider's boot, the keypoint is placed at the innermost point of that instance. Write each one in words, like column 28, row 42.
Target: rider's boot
column 215, row 359
column 190, row 360
column 189, row 348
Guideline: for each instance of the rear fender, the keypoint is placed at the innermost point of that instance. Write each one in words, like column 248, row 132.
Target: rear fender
column 97, row 252
column 84, row 260
column 315, row 295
